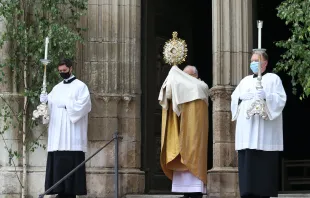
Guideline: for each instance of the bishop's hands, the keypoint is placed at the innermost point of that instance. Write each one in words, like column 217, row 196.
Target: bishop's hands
column 43, row 98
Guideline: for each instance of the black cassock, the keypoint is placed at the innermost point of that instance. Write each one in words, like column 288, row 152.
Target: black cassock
column 60, row 163
column 258, row 172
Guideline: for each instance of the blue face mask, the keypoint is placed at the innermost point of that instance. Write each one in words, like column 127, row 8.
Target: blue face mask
column 254, row 67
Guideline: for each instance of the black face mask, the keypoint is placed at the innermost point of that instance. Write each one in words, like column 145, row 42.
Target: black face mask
column 65, row 75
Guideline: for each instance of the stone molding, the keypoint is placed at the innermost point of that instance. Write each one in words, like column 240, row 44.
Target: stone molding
column 125, row 98
column 221, row 92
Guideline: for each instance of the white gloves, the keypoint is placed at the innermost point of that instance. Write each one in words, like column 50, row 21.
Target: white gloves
column 43, row 98
column 246, row 96
column 260, row 93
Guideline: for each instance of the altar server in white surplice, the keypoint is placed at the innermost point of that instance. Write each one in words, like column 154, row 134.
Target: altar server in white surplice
column 69, row 104
column 258, row 141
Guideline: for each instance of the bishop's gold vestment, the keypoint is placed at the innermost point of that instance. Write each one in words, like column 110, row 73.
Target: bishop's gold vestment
column 184, row 138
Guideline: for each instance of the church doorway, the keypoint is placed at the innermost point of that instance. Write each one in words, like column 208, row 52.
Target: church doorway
column 193, row 22
column 294, row 163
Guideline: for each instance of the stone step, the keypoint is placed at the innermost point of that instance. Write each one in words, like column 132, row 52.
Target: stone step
column 294, row 195
column 156, row 196
column 177, row 196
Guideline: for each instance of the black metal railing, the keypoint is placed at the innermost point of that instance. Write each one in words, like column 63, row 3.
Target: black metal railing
column 116, row 138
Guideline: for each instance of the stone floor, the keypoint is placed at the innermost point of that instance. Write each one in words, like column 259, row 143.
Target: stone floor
column 176, row 196
column 294, row 195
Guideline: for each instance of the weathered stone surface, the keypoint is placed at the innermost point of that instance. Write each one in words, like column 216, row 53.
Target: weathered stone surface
column 232, row 46
column 36, row 180
column 129, row 154
column 224, row 126
column 100, row 182
column 223, row 182
column 10, row 106
column 156, row 196
column 109, row 63
column 224, row 155
column 232, row 40
column 39, row 156
column 9, row 183
column 12, row 145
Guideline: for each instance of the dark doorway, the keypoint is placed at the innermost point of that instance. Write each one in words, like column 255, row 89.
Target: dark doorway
column 295, row 160
column 193, row 22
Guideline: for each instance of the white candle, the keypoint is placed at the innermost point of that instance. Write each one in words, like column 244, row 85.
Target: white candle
column 46, row 46
column 259, row 26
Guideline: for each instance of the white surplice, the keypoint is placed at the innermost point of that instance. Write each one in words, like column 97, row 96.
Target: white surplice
column 67, row 130
column 186, row 182
column 256, row 133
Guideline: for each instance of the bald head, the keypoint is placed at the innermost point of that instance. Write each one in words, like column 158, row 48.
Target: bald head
column 191, row 70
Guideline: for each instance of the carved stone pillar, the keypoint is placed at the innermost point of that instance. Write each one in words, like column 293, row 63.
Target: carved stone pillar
column 109, row 63
column 232, row 46
column 10, row 104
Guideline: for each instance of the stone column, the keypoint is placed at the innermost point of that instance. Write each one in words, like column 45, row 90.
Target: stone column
column 109, row 63
column 10, row 139
column 232, row 46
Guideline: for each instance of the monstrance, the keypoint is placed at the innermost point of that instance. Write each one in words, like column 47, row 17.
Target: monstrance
column 259, row 106
column 42, row 109
column 175, row 50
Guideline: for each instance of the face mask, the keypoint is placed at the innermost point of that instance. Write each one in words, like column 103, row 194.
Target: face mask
column 254, row 67
column 65, row 75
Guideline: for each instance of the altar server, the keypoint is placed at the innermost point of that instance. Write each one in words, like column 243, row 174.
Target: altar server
column 258, row 141
column 69, row 104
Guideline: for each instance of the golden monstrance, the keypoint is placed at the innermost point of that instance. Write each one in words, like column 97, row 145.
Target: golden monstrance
column 175, row 50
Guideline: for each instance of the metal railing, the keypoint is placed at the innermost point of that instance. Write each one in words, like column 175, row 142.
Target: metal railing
column 116, row 138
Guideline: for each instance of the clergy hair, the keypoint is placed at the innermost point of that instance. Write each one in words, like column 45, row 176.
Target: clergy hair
column 264, row 54
column 65, row 61
column 194, row 68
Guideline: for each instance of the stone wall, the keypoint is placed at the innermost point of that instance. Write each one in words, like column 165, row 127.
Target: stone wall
column 109, row 63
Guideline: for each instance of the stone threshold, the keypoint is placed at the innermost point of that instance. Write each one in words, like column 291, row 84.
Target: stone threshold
column 205, row 196
column 89, row 170
column 156, row 196
column 294, row 195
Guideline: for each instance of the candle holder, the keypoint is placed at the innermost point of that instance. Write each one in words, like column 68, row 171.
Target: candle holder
column 42, row 109
column 259, row 106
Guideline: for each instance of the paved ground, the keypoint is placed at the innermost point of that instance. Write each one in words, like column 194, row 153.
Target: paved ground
column 176, row 196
